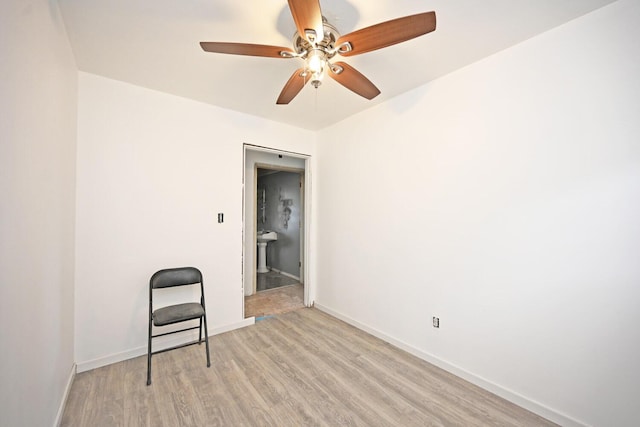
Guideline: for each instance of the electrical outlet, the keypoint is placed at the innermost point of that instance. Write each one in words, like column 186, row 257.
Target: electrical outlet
column 436, row 322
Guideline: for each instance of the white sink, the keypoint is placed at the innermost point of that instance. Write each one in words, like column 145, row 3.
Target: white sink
column 267, row 236
column 264, row 237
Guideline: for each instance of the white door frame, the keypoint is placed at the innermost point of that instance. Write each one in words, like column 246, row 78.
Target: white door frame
column 249, row 241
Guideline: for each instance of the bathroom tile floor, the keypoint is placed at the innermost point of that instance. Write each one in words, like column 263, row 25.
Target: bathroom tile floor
column 273, row 280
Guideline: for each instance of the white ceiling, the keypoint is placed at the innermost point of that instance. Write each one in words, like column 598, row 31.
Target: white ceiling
column 154, row 44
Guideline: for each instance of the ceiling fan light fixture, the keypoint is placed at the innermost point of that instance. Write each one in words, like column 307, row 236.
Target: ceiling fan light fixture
column 316, row 61
column 316, row 79
column 316, row 64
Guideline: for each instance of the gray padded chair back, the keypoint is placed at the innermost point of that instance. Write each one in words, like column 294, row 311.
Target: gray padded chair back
column 176, row 277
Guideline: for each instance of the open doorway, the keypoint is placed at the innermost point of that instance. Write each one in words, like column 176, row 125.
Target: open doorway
column 280, row 216
column 275, row 230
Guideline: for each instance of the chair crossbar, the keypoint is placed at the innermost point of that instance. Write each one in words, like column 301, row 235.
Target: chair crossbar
column 176, row 347
column 175, row 332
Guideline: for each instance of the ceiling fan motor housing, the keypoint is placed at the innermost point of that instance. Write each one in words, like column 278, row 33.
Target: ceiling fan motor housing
column 316, row 53
column 302, row 46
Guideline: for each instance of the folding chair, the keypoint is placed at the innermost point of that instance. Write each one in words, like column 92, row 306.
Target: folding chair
column 170, row 278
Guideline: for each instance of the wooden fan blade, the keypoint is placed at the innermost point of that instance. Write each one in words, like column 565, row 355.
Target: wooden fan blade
column 307, row 16
column 292, row 87
column 353, row 80
column 388, row 33
column 246, row 49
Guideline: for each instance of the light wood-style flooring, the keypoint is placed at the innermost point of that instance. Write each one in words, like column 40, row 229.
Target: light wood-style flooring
column 301, row 368
column 274, row 301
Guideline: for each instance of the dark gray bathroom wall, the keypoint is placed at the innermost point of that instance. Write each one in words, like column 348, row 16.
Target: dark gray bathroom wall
column 282, row 215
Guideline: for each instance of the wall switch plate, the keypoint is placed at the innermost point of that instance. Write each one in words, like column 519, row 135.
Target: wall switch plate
column 220, row 218
column 436, row 322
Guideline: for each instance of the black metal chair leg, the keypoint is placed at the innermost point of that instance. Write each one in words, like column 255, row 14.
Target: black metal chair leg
column 206, row 340
column 149, row 356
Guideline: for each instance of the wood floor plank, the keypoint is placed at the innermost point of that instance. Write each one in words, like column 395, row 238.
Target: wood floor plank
column 301, row 368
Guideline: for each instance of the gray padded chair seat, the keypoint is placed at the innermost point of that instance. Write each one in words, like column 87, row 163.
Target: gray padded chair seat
column 177, row 313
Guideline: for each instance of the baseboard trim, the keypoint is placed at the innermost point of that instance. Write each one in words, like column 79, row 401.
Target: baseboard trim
column 65, row 397
column 284, row 273
column 516, row 398
column 158, row 345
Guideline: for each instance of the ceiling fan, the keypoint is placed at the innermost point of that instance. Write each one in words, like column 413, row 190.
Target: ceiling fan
column 317, row 42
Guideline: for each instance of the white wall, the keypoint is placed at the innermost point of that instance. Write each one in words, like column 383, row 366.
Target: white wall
column 505, row 199
column 38, row 91
column 154, row 170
